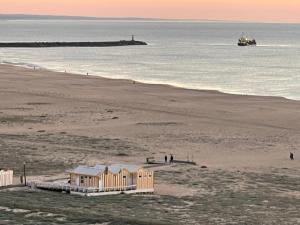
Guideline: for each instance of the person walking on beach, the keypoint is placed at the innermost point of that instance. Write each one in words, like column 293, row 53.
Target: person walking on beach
column 166, row 158
column 291, row 156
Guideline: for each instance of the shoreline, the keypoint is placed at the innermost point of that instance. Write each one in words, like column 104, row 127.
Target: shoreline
column 39, row 68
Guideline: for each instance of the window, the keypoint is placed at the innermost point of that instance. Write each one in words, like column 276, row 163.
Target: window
column 124, row 177
column 81, row 179
column 150, row 175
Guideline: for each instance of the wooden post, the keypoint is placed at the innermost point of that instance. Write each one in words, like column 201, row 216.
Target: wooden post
column 24, row 167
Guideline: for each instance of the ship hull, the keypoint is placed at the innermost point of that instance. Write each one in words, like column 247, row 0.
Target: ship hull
column 247, row 43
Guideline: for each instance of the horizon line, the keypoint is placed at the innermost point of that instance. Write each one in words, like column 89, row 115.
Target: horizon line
column 53, row 17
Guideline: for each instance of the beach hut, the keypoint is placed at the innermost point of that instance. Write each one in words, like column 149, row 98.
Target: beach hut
column 6, row 177
column 115, row 177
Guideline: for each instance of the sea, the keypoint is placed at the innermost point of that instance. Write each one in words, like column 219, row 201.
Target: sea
column 188, row 54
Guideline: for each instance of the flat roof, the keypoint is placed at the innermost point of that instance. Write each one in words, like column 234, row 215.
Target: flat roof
column 99, row 169
column 5, row 170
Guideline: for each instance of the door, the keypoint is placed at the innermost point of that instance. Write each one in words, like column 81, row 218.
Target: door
column 131, row 181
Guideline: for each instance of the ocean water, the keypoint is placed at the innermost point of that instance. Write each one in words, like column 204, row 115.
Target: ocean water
column 198, row 55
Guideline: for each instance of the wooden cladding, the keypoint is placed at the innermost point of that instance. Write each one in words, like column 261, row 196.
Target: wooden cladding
column 84, row 180
column 6, row 177
column 108, row 181
column 119, row 180
column 145, row 179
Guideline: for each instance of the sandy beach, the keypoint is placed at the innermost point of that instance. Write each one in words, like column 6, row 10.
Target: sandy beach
column 55, row 121
column 215, row 129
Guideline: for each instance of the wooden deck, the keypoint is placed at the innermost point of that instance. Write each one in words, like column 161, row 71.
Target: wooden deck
column 83, row 191
column 11, row 186
column 152, row 163
column 94, row 194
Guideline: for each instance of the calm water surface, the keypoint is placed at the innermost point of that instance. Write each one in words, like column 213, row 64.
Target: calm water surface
column 187, row 54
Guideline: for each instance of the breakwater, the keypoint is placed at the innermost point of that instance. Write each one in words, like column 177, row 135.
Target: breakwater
column 69, row 44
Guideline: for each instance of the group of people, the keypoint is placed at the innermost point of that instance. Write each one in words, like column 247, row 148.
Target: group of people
column 171, row 159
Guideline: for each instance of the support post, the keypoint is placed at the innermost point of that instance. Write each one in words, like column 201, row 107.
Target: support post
column 24, row 170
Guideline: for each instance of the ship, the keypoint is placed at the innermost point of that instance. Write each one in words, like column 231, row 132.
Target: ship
column 244, row 41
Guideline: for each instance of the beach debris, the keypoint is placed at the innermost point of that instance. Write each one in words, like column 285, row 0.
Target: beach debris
column 122, row 154
column 150, row 160
column 41, row 131
column 204, row 167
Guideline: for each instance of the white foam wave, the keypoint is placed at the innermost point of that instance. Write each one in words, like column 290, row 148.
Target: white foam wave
column 21, row 64
column 276, row 45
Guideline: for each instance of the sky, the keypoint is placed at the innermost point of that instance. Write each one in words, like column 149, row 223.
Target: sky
column 234, row 10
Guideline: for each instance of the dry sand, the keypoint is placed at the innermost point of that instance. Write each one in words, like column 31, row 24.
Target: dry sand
column 55, row 121
column 215, row 129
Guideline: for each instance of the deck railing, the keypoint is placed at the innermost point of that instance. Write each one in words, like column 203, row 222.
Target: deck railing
column 73, row 188
column 121, row 188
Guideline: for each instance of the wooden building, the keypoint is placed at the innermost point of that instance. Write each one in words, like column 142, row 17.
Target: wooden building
column 116, row 177
column 6, row 177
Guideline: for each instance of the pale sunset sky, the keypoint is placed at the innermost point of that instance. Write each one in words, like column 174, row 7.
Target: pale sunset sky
column 251, row 10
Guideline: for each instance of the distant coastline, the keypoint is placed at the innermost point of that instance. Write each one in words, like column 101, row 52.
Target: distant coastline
column 91, row 18
column 63, row 17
